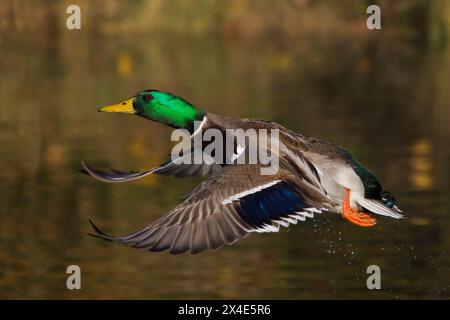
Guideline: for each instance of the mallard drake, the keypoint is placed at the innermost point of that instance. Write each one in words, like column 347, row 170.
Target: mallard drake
column 236, row 200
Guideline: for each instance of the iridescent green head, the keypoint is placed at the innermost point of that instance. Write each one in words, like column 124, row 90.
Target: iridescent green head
column 162, row 107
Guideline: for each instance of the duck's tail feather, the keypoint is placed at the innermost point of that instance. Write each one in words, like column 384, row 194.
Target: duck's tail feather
column 378, row 207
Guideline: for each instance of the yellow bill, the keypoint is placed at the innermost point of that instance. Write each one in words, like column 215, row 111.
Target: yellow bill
column 124, row 107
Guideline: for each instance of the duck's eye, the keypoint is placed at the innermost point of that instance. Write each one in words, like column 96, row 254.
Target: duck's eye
column 147, row 97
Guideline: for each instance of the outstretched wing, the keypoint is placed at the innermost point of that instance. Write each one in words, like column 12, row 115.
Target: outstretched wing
column 175, row 167
column 226, row 208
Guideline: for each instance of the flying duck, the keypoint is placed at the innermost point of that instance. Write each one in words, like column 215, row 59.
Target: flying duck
column 235, row 199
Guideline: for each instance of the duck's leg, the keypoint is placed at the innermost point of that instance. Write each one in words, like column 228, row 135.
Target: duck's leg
column 359, row 218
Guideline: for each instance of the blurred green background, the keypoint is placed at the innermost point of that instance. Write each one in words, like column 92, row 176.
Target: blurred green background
column 312, row 66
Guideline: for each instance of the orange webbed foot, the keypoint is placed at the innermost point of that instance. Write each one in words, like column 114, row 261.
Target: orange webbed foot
column 359, row 218
column 354, row 216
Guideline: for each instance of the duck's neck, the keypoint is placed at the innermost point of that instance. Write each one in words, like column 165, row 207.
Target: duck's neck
column 185, row 119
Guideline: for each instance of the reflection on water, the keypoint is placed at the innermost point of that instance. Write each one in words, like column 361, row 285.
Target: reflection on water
column 388, row 105
column 421, row 165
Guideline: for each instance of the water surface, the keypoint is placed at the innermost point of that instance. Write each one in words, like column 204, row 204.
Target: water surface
column 387, row 103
